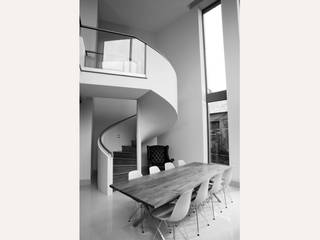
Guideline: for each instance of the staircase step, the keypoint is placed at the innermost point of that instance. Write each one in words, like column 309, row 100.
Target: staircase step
column 124, row 154
column 124, row 161
column 129, row 149
column 123, row 168
column 120, row 178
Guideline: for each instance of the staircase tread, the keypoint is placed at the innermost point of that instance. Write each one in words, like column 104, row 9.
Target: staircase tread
column 122, row 152
column 122, row 173
column 125, row 165
column 124, row 158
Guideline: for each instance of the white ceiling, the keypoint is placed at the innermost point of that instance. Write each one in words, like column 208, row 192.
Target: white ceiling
column 148, row 15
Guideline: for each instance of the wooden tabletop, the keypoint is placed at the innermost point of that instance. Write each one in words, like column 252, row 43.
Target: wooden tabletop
column 163, row 187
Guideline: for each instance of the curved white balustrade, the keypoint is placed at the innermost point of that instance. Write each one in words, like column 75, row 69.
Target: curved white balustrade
column 156, row 97
column 105, row 169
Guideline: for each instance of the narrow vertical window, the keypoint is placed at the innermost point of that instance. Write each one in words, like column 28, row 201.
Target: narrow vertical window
column 216, row 85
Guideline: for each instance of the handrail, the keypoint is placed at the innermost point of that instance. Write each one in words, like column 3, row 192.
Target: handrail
column 123, row 34
column 111, row 126
column 111, row 31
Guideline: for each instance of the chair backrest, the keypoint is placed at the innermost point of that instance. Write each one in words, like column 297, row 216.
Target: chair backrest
column 217, row 183
column 134, row 174
column 154, row 169
column 202, row 193
column 227, row 176
column 181, row 163
column 181, row 207
column 157, row 155
column 168, row 166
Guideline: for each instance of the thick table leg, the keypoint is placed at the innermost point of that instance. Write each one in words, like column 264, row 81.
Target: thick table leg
column 139, row 220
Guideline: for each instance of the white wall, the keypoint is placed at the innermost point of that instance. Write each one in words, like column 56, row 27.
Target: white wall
column 120, row 135
column 86, row 112
column 154, row 116
column 181, row 44
column 232, row 58
column 106, row 112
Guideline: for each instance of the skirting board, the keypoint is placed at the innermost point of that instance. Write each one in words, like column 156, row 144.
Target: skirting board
column 235, row 184
column 85, row 182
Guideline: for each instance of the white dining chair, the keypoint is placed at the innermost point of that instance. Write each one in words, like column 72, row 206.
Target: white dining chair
column 200, row 201
column 181, row 163
column 154, row 170
column 168, row 166
column 134, row 175
column 215, row 188
column 226, row 180
column 173, row 214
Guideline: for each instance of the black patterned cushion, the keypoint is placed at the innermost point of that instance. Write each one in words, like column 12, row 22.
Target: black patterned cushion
column 158, row 155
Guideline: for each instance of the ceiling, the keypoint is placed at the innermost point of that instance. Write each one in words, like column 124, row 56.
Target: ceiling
column 148, row 15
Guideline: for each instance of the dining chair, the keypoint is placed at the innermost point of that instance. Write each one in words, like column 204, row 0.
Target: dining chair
column 215, row 186
column 181, row 163
column 226, row 180
column 134, row 175
column 168, row 166
column 158, row 155
column 173, row 214
column 154, row 169
column 200, row 200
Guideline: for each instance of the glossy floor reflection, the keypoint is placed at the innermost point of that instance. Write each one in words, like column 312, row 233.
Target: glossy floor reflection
column 103, row 217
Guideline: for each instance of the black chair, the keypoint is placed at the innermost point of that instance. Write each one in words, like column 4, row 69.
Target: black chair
column 158, row 155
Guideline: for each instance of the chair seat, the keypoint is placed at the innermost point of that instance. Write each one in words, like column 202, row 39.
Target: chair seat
column 164, row 211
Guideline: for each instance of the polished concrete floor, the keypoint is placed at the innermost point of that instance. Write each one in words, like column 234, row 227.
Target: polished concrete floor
column 103, row 217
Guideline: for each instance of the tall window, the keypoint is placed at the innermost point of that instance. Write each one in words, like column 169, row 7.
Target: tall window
column 216, row 85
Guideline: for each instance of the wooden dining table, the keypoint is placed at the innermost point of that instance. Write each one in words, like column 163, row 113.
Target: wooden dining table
column 158, row 189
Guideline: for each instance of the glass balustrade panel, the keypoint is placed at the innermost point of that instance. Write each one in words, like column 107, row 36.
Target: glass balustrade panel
column 113, row 53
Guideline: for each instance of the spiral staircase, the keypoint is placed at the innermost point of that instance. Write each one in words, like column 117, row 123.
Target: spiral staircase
column 155, row 90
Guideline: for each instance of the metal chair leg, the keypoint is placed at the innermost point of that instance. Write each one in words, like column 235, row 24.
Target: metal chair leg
column 142, row 212
column 225, row 200
column 214, row 218
column 167, row 226
column 218, row 199
column 158, row 231
column 204, row 217
column 198, row 233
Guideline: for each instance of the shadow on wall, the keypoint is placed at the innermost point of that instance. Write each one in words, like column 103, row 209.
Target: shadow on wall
column 107, row 111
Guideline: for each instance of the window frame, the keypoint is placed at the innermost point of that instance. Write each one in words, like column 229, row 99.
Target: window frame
column 215, row 96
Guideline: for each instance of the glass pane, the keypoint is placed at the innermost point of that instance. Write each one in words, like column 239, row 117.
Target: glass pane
column 138, row 55
column 215, row 61
column 113, row 53
column 116, row 55
column 219, row 141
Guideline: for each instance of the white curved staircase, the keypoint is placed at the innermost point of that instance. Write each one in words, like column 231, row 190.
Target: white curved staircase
column 156, row 96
